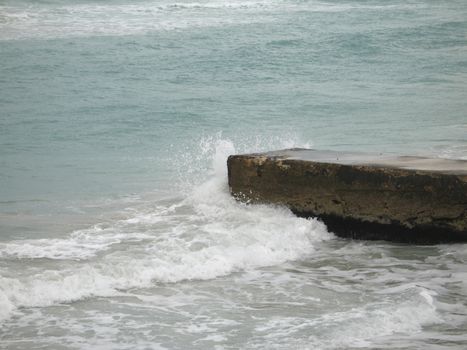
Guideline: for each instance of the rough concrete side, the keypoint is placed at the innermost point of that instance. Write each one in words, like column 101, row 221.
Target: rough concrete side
column 361, row 201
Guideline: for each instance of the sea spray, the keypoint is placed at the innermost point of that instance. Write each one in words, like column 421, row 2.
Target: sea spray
column 200, row 237
column 328, row 293
column 198, row 160
column 105, row 110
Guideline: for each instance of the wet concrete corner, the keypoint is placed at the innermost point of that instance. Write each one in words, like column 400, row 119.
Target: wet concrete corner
column 360, row 195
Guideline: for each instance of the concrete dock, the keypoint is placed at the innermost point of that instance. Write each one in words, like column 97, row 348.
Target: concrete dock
column 360, row 195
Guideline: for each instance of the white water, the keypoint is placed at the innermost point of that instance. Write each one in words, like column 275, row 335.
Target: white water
column 302, row 287
column 202, row 236
column 117, row 230
column 43, row 21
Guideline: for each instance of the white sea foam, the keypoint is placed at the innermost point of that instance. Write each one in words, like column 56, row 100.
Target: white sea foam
column 207, row 234
column 458, row 151
column 361, row 326
column 41, row 21
column 81, row 244
column 60, row 21
column 203, row 236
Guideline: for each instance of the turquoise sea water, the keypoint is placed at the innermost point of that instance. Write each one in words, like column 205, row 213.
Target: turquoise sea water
column 116, row 118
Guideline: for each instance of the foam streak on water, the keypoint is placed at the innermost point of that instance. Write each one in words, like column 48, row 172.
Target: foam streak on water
column 45, row 21
column 117, row 230
column 271, row 280
column 203, row 236
column 97, row 20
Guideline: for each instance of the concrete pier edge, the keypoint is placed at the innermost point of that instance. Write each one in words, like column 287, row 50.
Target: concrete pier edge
column 360, row 195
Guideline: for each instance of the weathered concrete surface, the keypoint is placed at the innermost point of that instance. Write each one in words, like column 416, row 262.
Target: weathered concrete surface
column 406, row 199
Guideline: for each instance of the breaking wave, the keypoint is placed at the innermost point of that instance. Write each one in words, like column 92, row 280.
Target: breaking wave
column 201, row 235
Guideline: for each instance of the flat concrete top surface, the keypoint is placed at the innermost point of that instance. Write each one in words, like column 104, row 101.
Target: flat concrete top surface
column 447, row 166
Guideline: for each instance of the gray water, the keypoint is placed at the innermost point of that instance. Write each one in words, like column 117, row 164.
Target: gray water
column 116, row 118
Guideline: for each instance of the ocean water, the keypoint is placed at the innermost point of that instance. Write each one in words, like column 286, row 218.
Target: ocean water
column 117, row 230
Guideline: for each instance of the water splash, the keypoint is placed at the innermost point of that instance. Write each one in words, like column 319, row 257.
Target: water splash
column 203, row 235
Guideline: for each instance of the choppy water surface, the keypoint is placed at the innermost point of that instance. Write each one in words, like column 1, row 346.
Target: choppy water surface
column 116, row 118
